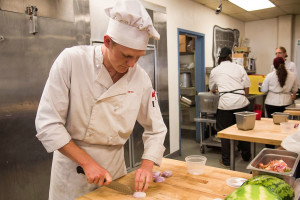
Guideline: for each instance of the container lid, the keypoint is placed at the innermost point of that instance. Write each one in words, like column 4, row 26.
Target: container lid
column 235, row 182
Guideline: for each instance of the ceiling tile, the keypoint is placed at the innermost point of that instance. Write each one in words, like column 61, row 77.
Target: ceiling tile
column 246, row 16
column 268, row 13
column 204, row 2
column 284, row 2
column 291, row 9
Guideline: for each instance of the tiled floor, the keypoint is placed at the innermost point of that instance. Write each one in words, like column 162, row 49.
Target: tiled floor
column 189, row 146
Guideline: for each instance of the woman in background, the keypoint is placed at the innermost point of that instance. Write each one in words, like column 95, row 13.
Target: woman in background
column 279, row 84
column 232, row 82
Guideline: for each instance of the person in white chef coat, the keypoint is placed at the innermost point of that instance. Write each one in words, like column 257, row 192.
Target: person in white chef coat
column 91, row 101
column 281, row 86
column 232, row 83
column 289, row 65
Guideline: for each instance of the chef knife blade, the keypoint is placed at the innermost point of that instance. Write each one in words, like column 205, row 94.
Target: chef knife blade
column 113, row 185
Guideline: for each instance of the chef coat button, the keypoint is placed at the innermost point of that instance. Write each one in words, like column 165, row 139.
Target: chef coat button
column 97, row 65
column 116, row 108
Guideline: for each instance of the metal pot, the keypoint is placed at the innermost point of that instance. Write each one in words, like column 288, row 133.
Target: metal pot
column 185, row 79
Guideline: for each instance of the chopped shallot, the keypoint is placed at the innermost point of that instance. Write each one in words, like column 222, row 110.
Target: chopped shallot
column 156, row 174
column 159, row 179
column 139, row 195
column 167, row 174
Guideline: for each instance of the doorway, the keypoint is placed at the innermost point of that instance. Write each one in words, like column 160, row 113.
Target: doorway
column 191, row 76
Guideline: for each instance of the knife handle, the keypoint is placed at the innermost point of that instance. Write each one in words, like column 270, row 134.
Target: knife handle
column 81, row 171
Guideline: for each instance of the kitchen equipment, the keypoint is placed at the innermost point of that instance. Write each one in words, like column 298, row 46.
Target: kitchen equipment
column 266, row 155
column 185, row 79
column 207, row 107
column 279, row 117
column 195, row 164
column 245, row 120
column 186, row 100
column 113, row 185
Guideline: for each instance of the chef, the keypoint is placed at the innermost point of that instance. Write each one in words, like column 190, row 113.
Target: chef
column 232, row 83
column 91, row 101
column 289, row 65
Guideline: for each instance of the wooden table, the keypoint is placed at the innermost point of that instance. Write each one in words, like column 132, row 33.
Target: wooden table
column 265, row 132
column 182, row 185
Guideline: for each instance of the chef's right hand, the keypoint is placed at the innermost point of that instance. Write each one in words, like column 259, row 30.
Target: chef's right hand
column 97, row 174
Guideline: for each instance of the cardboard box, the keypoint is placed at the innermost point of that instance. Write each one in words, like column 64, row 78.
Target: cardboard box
column 182, row 43
column 241, row 49
column 239, row 55
column 186, row 43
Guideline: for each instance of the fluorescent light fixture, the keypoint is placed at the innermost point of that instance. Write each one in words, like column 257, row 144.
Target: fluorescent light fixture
column 251, row 5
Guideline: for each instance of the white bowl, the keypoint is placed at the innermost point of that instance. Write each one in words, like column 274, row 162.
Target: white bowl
column 195, row 164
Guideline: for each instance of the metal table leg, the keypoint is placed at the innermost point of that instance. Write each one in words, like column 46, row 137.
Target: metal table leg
column 232, row 157
column 253, row 150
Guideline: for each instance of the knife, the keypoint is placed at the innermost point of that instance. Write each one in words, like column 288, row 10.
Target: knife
column 113, row 185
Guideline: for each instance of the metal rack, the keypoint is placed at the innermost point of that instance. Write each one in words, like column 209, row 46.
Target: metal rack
column 208, row 104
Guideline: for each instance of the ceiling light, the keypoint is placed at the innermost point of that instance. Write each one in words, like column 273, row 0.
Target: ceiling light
column 251, row 5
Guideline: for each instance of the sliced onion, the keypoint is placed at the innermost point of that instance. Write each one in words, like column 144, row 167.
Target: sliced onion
column 167, row 174
column 156, row 174
column 139, row 195
column 159, row 179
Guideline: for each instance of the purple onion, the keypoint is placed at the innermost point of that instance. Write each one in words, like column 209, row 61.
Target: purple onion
column 159, row 179
column 156, row 174
column 167, row 174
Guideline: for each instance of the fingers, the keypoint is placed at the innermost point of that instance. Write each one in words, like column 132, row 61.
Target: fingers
column 108, row 179
column 142, row 181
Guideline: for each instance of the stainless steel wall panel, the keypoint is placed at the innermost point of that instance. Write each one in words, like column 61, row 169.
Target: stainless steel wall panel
column 25, row 61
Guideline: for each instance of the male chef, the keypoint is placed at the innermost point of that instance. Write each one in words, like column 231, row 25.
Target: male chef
column 91, row 101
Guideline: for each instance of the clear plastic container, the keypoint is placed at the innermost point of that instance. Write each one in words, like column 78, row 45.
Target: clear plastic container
column 195, row 164
column 287, row 127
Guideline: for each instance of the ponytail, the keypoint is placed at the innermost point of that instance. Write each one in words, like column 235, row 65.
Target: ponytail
column 282, row 74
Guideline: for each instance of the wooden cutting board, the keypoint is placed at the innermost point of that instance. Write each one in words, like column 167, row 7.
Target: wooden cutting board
column 182, row 185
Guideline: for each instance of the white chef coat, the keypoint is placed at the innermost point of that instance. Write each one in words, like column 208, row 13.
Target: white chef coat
column 81, row 102
column 229, row 76
column 290, row 66
column 291, row 142
column 278, row 96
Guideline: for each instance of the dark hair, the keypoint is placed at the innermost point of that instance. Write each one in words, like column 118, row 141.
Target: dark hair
column 224, row 59
column 283, row 50
column 282, row 74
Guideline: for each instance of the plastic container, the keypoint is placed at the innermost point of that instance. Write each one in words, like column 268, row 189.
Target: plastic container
column 257, row 109
column 195, row 164
column 279, row 117
column 287, row 127
column 245, row 120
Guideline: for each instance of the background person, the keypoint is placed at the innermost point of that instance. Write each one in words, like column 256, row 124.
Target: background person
column 92, row 99
column 289, row 65
column 232, row 83
column 279, row 84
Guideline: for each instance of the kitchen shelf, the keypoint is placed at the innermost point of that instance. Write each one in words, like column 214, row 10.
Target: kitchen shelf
column 184, row 70
column 188, row 127
column 187, row 53
column 188, row 91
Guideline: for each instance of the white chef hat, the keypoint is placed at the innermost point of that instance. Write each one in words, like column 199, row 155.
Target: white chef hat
column 130, row 24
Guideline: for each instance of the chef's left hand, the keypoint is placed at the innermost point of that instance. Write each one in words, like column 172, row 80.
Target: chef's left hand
column 143, row 176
